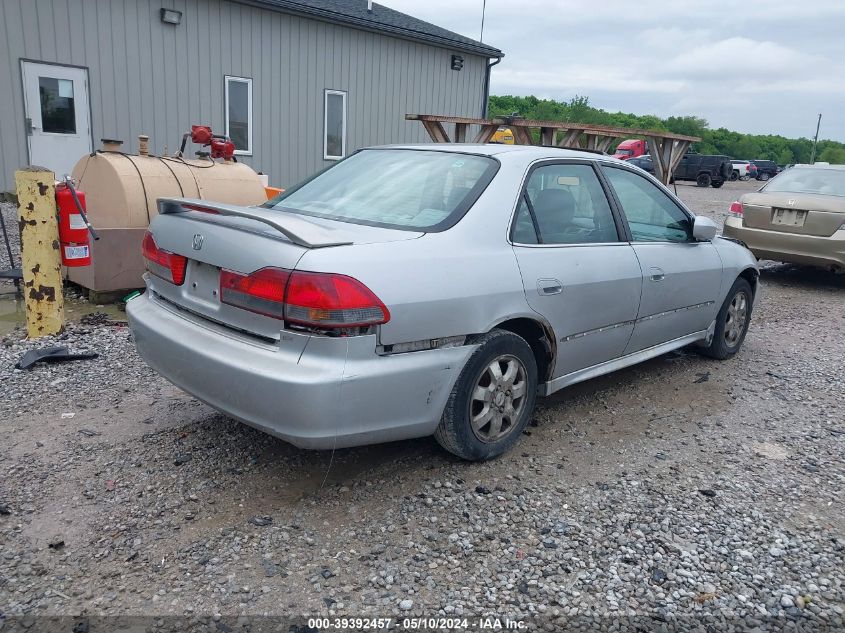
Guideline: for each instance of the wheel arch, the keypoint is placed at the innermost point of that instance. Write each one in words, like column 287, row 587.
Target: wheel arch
column 752, row 276
column 540, row 336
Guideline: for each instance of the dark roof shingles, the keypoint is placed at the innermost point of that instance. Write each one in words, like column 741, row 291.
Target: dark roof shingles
column 383, row 19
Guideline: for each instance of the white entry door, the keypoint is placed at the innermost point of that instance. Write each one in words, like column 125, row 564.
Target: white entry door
column 57, row 115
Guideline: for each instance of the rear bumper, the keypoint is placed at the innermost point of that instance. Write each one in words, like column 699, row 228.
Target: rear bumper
column 312, row 391
column 811, row 250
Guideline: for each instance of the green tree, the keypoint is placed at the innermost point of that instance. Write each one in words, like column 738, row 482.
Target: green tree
column 719, row 141
column 785, row 157
column 833, row 155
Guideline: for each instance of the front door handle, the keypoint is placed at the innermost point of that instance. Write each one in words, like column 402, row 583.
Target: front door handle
column 657, row 274
column 549, row 286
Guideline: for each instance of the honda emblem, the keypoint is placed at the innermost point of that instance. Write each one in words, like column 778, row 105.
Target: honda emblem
column 198, row 239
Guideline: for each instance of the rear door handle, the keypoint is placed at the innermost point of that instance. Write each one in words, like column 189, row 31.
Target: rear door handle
column 657, row 274
column 549, row 286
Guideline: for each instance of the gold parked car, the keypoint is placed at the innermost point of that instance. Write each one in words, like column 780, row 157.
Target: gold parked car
column 797, row 217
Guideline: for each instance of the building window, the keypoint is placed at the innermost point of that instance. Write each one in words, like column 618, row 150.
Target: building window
column 334, row 135
column 239, row 113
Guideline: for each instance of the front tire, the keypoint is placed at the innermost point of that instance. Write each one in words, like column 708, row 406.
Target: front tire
column 732, row 322
column 492, row 400
column 734, row 176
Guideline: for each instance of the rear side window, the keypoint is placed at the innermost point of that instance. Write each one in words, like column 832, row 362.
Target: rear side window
column 652, row 216
column 395, row 188
column 564, row 204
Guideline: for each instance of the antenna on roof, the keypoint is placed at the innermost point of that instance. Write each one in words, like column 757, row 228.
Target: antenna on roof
column 369, row 6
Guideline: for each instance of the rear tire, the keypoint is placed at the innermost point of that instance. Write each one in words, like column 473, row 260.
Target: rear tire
column 703, row 180
column 492, row 400
column 764, row 177
column 731, row 322
column 717, row 183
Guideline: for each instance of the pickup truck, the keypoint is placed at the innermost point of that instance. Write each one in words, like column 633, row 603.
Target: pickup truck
column 743, row 170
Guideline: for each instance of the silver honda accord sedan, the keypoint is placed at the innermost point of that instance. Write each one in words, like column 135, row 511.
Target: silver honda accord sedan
column 417, row 290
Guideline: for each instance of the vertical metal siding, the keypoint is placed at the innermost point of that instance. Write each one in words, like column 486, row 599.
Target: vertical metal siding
column 146, row 77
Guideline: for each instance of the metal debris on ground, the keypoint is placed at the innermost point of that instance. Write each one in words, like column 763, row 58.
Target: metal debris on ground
column 101, row 318
column 54, row 354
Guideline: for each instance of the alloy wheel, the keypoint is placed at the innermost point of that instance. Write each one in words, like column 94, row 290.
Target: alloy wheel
column 736, row 318
column 498, row 398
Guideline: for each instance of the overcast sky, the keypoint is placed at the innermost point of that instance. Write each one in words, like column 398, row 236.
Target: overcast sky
column 764, row 66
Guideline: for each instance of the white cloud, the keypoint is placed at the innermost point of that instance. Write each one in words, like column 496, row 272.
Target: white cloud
column 766, row 68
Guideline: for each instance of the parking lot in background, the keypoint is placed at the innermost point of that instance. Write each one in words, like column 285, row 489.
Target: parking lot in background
column 680, row 486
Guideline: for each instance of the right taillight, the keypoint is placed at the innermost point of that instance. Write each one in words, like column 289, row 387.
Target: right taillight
column 736, row 210
column 319, row 300
column 169, row 266
column 262, row 291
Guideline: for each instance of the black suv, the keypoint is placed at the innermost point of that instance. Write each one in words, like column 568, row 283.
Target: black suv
column 765, row 169
column 705, row 169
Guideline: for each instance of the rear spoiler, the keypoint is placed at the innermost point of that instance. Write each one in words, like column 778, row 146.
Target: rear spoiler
column 298, row 229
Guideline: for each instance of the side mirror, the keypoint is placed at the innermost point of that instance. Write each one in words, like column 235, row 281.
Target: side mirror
column 704, row 229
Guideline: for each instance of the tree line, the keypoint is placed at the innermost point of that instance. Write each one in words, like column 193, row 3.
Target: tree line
column 774, row 147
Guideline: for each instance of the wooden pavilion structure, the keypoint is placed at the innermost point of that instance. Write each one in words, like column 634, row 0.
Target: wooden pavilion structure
column 666, row 149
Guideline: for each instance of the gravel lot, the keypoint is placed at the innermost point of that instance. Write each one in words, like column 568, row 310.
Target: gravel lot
column 679, row 494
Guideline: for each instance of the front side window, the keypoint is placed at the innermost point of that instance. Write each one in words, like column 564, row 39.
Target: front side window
column 564, row 204
column 394, row 188
column 334, row 133
column 652, row 215
column 239, row 113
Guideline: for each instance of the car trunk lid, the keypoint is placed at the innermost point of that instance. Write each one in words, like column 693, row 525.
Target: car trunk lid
column 216, row 236
column 802, row 214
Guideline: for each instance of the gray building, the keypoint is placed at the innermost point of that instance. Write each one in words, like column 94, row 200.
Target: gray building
column 296, row 84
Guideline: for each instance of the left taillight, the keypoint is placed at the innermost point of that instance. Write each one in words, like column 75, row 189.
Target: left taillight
column 328, row 300
column 736, row 210
column 324, row 301
column 161, row 263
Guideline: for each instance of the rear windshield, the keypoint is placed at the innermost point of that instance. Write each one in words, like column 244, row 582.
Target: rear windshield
column 829, row 182
column 625, row 152
column 395, row 188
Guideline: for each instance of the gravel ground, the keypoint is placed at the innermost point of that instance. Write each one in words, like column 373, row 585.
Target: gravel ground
column 680, row 494
column 10, row 217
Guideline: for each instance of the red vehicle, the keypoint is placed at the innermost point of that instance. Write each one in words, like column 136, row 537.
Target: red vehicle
column 630, row 149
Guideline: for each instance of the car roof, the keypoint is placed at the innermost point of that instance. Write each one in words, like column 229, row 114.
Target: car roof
column 820, row 166
column 530, row 152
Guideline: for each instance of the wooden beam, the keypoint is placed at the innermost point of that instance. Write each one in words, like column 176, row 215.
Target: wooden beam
column 605, row 143
column 461, row 132
column 570, row 138
column 486, row 133
column 547, row 136
column 680, row 148
column 436, row 132
column 522, row 135
column 661, row 169
column 566, row 125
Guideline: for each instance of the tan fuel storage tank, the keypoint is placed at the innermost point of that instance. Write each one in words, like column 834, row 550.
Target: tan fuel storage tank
column 121, row 190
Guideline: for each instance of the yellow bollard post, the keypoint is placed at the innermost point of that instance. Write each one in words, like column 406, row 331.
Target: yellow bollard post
column 41, row 261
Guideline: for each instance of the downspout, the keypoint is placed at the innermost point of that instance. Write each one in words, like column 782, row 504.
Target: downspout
column 485, row 104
